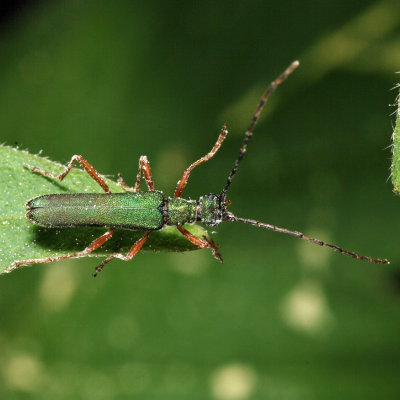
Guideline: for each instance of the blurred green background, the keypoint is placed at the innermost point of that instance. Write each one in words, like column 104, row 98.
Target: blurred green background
column 280, row 319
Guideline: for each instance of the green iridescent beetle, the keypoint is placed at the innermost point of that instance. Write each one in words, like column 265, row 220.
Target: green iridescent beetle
column 149, row 210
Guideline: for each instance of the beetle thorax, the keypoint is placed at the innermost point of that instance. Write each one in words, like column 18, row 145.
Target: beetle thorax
column 181, row 211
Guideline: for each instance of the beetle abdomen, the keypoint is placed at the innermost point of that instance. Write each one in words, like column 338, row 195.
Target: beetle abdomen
column 133, row 210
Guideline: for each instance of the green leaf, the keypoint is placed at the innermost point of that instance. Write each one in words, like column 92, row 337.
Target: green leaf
column 21, row 240
column 396, row 151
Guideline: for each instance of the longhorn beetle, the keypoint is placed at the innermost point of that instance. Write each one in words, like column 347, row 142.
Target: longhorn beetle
column 149, row 211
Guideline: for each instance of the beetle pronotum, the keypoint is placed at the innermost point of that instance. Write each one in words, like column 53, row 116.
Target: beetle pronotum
column 150, row 210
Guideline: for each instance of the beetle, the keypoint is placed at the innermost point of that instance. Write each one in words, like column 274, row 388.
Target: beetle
column 150, row 210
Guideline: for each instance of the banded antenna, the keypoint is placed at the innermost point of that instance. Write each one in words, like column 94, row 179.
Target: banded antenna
column 227, row 216
column 271, row 88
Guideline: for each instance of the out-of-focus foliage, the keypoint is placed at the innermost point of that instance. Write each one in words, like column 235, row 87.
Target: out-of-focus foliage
column 396, row 152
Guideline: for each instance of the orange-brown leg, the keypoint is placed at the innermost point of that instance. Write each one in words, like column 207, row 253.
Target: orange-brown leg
column 144, row 166
column 203, row 244
column 182, row 182
column 92, row 247
column 132, row 252
column 88, row 168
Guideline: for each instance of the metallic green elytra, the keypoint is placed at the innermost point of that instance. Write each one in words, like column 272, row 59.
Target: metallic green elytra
column 150, row 210
column 136, row 211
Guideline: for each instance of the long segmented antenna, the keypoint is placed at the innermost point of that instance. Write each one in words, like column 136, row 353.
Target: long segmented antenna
column 253, row 122
column 227, row 216
column 230, row 217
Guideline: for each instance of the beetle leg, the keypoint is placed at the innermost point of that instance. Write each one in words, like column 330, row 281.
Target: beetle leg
column 132, row 252
column 203, row 244
column 124, row 186
column 214, row 248
column 182, row 182
column 87, row 166
column 144, row 166
column 92, row 247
